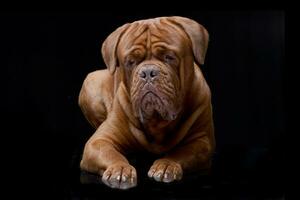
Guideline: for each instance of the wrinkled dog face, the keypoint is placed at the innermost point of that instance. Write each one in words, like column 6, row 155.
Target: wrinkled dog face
column 156, row 58
column 151, row 58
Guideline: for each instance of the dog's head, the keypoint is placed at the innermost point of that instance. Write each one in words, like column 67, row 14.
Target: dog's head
column 156, row 60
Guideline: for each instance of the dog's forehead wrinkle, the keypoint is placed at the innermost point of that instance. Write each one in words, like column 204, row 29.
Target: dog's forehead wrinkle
column 154, row 29
column 140, row 48
column 140, row 31
column 133, row 33
column 148, row 45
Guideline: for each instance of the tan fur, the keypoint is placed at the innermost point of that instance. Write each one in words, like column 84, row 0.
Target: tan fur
column 107, row 102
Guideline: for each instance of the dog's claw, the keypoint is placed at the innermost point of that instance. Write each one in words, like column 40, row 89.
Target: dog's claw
column 120, row 176
column 164, row 170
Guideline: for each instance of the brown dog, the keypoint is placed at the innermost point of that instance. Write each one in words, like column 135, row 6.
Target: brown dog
column 153, row 97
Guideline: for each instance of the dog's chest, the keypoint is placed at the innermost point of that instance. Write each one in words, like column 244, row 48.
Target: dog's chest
column 158, row 131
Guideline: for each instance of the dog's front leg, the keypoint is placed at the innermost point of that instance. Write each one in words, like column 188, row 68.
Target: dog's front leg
column 103, row 157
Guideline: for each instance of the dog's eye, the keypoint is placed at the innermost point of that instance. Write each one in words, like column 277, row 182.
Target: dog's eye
column 130, row 62
column 169, row 59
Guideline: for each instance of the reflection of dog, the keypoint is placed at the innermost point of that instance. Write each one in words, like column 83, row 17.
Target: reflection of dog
column 153, row 97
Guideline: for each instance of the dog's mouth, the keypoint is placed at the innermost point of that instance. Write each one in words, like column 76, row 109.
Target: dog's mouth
column 150, row 103
column 153, row 106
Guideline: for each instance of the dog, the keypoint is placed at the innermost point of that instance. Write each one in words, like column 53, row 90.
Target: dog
column 152, row 97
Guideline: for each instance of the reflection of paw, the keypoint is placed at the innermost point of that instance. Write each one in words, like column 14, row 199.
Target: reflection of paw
column 165, row 170
column 121, row 176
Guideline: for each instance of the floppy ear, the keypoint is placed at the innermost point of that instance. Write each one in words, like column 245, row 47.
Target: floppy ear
column 109, row 48
column 197, row 34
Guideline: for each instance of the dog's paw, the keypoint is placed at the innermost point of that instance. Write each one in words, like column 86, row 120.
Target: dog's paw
column 120, row 176
column 164, row 170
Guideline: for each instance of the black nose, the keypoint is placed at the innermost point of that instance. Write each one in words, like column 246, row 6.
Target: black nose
column 149, row 73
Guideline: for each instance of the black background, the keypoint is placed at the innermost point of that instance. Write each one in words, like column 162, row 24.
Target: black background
column 46, row 56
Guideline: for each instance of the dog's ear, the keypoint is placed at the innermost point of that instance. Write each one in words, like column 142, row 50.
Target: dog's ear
column 197, row 34
column 109, row 48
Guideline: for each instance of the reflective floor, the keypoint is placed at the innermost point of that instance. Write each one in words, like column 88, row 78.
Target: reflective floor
column 215, row 184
